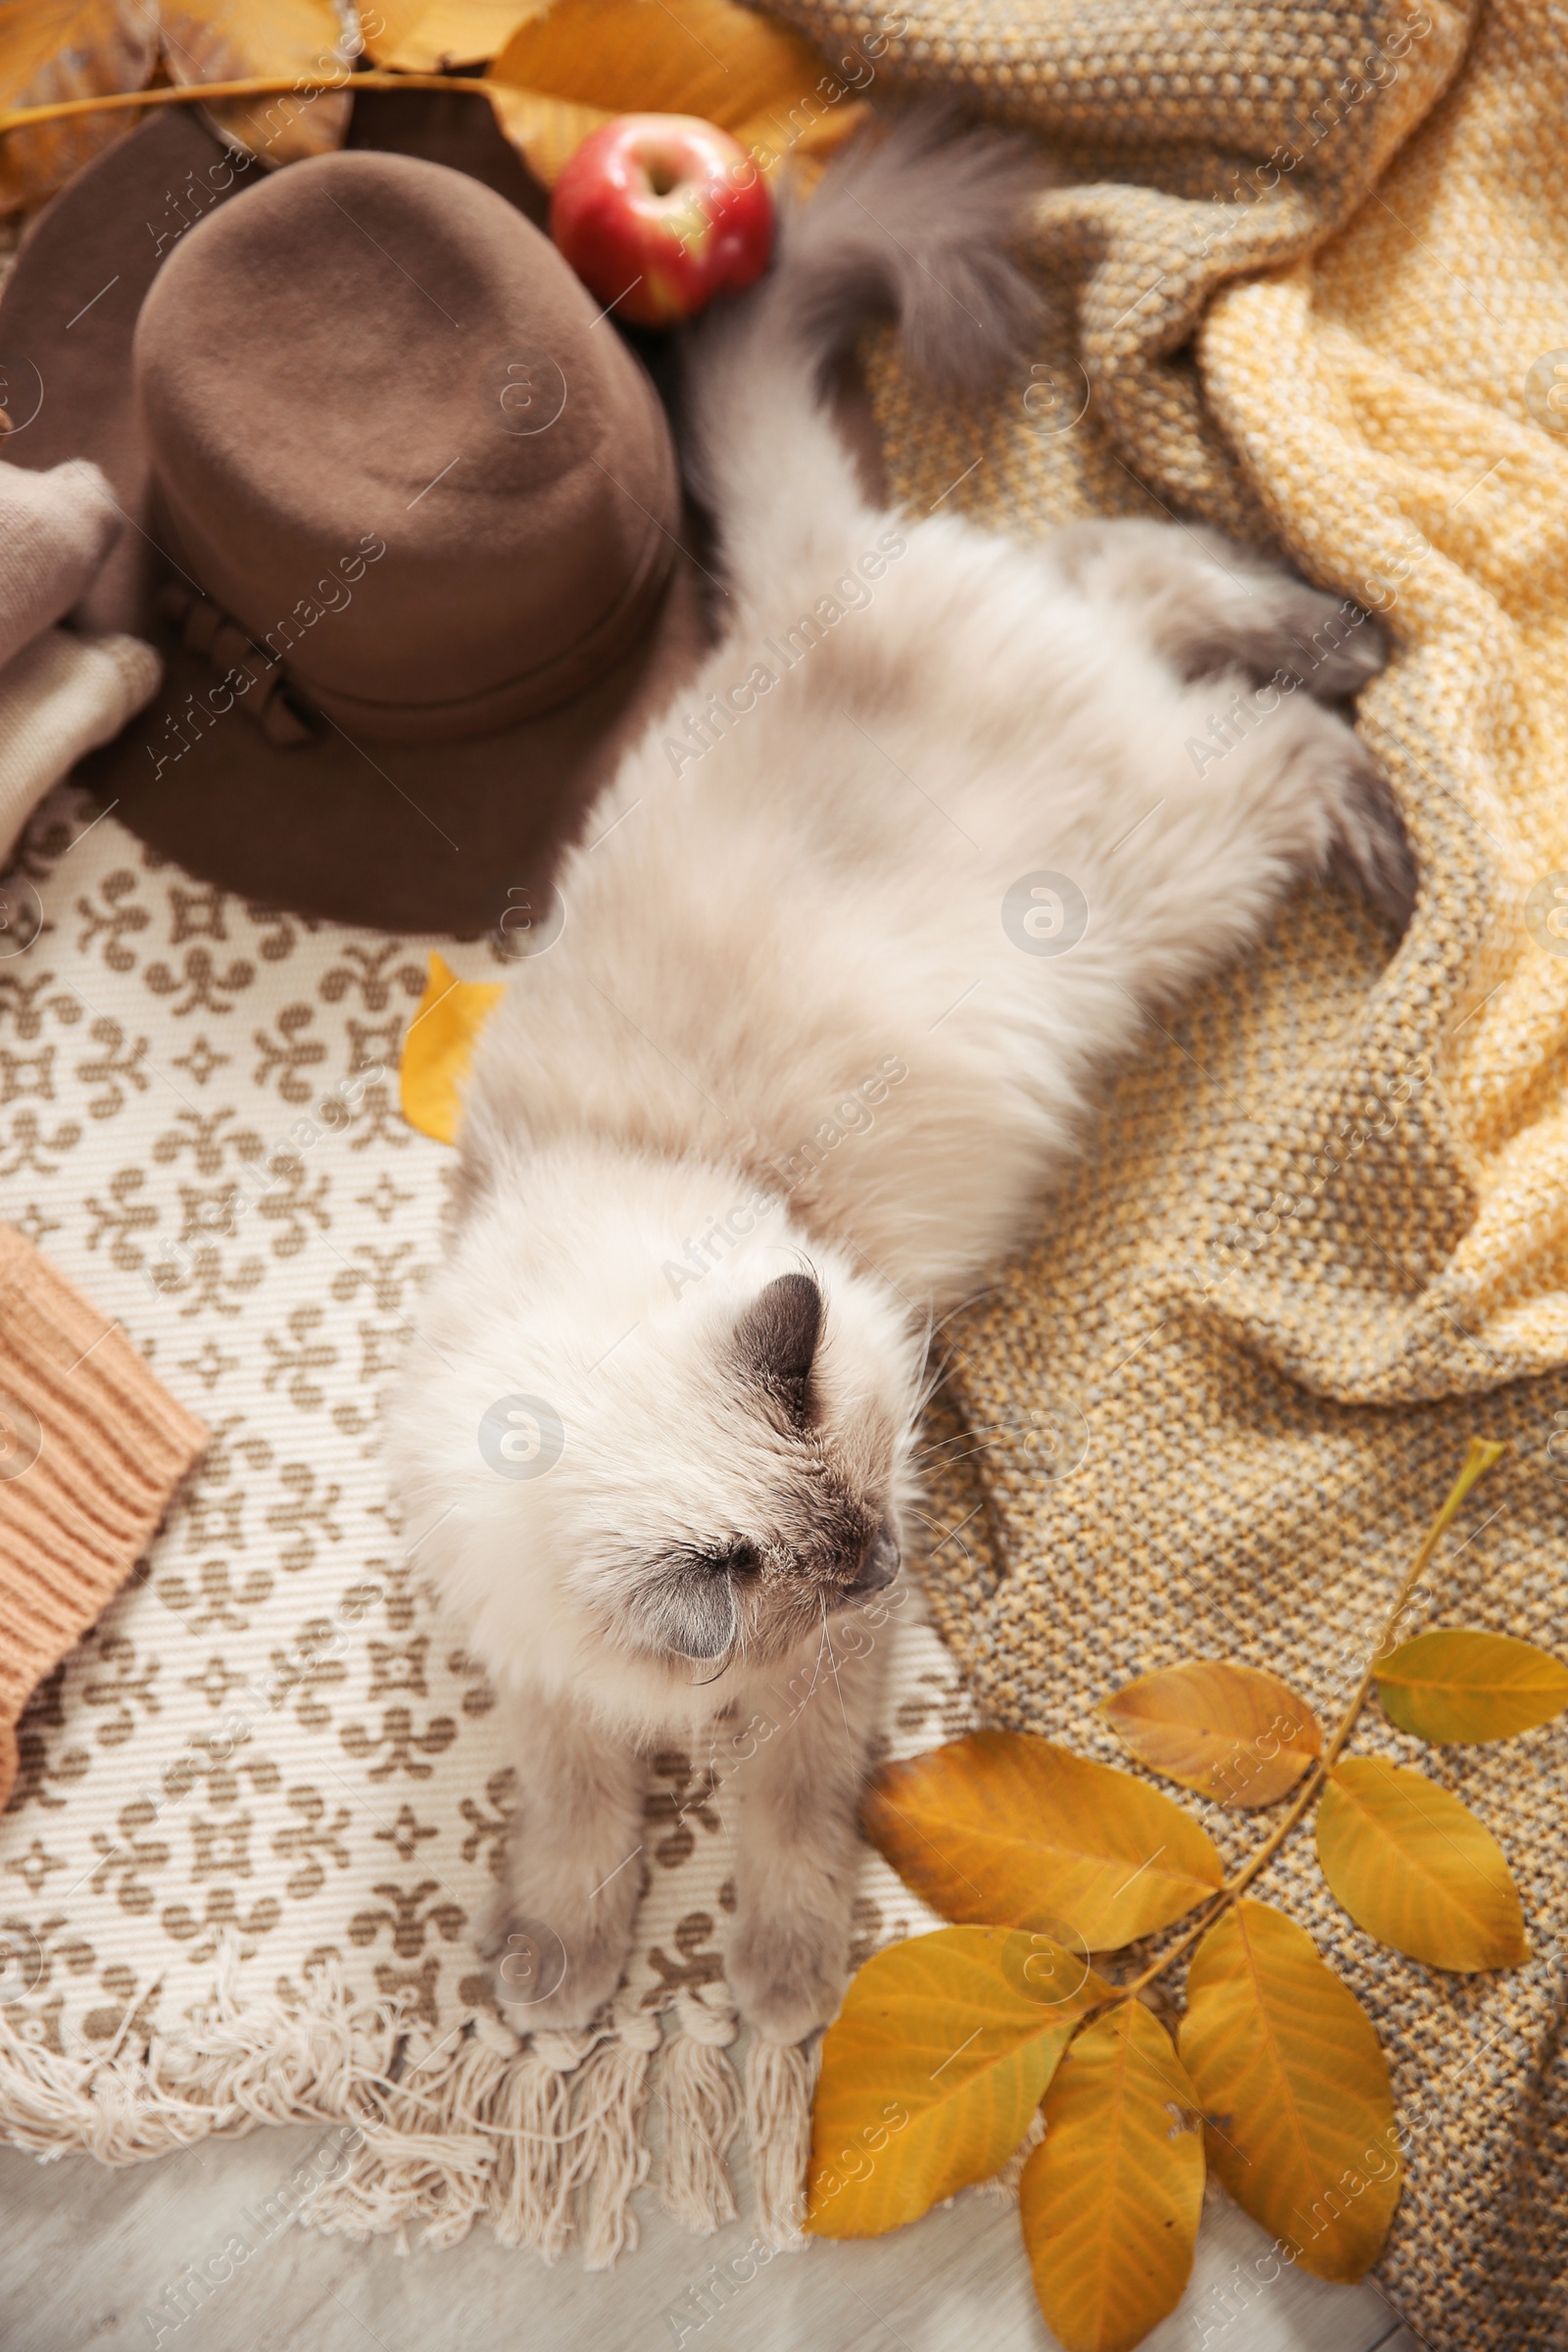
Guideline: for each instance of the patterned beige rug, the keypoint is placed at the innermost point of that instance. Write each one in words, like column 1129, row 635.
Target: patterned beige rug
column 259, row 1809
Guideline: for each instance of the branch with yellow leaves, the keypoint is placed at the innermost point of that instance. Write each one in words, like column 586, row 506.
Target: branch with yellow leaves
column 952, row 2047
column 1484, row 1452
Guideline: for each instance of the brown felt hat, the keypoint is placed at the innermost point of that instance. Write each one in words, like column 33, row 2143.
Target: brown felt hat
column 407, row 518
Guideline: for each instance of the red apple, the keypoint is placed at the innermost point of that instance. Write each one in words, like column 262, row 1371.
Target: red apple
column 659, row 213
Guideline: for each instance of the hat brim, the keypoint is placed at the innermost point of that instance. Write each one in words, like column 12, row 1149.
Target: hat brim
column 402, row 836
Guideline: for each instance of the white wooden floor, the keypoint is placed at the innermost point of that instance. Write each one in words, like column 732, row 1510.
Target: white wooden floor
column 85, row 2252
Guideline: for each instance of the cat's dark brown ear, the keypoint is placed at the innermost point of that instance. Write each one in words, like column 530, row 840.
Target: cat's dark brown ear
column 776, row 1339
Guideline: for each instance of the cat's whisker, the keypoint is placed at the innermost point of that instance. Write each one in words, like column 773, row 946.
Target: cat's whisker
column 948, row 1535
column 937, row 1444
column 737, row 1636
column 949, row 1460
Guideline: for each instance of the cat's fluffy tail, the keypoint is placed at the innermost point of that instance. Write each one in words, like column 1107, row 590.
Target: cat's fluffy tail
column 914, row 222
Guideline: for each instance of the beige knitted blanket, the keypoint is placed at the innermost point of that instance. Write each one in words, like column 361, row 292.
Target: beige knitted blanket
column 1281, row 1296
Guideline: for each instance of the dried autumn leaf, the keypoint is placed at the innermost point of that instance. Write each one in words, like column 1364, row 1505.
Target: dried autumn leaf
column 1003, row 1827
column 438, row 1048
column 1295, row 2087
column 932, row 2070
column 1416, row 1869
column 430, row 36
column 582, row 62
column 1457, row 1684
column 55, row 50
column 1111, row 2199
column 230, row 40
column 1238, row 1735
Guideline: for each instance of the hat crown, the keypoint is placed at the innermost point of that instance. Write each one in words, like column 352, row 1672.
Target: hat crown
column 394, row 441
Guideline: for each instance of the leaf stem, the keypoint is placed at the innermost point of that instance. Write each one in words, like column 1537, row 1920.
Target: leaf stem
column 1484, row 1452
column 255, row 85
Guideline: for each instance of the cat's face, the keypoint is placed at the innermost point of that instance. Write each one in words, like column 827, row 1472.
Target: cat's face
column 703, row 1482
column 766, row 1497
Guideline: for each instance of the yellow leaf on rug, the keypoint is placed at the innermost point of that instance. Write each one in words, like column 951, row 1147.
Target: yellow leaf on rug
column 55, row 50
column 575, row 66
column 439, row 1046
column 1457, row 1684
column 431, row 37
column 212, row 40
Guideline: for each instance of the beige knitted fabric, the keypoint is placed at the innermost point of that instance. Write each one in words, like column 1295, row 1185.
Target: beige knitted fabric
column 1319, row 1236
column 91, row 1450
column 61, row 695
column 60, row 698
column 56, row 529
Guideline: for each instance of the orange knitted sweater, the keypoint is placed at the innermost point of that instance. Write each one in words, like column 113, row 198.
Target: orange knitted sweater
column 91, row 1450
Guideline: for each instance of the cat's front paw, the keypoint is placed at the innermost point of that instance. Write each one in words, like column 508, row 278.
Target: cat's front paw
column 556, row 1978
column 787, row 1975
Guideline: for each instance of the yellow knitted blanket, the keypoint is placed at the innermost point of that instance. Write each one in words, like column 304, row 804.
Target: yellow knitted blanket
column 1307, row 268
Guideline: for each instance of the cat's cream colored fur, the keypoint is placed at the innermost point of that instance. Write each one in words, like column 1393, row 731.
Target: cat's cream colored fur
column 748, row 932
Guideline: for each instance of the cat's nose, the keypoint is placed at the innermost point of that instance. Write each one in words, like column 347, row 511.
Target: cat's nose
column 881, row 1562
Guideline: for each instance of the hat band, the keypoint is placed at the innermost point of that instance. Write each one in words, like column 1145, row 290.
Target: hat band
column 257, row 678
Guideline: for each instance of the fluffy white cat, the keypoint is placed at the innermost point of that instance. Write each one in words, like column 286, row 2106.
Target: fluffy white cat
column 849, row 942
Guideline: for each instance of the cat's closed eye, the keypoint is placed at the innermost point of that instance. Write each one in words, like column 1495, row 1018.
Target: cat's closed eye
column 735, row 1559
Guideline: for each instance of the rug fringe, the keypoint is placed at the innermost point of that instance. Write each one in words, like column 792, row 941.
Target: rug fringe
column 543, row 2138
column 608, row 2098
column 226, row 2070
column 418, row 2156
column 530, row 2117
column 779, row 2081
column 702, row 2102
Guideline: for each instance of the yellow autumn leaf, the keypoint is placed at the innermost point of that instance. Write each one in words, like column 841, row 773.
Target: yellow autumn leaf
column 1295, row 2087
column 582, row 62
column 1457, row 1684
column 228, row 40
column 439, row 1046
column 1236, row 1734
column 932, row 2070
column 1110, row 2201
column 1416, row 1869
column 431, row 37
column 1009, row 1829
column 55, row 50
